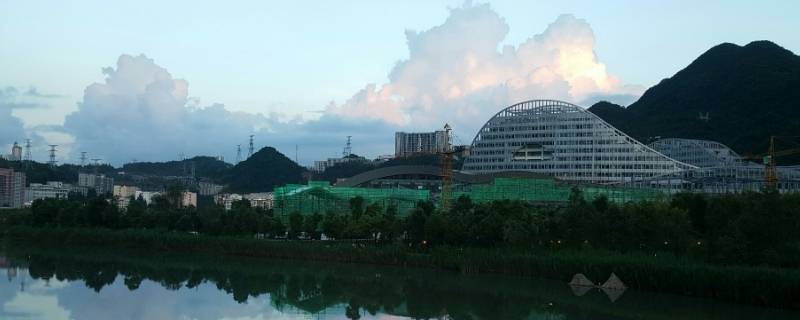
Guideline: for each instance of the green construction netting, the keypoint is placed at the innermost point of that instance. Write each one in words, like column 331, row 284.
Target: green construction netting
column 548, row 190
column 321, row 197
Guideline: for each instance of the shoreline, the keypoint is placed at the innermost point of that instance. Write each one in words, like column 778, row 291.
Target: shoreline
column 658, row 272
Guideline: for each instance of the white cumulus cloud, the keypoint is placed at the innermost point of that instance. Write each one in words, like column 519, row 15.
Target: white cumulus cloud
column 458, row 73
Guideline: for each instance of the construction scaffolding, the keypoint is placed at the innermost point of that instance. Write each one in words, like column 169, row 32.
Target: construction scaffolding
column 549, row 191
column 321, row 197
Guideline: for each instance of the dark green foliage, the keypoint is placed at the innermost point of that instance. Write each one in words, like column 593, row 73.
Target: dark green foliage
column 749, row 93
column 36, row 172
column 264, row 170
column 204, row 166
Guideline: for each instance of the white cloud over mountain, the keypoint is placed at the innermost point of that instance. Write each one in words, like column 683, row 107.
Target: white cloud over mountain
column 456, row 72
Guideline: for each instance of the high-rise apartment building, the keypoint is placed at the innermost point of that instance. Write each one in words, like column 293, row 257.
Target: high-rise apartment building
column 411, row 143
column 12, row 188
column 99, row 182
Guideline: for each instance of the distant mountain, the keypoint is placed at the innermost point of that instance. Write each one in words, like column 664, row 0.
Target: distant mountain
column 736, row 95
column 263, row 171
column 204, row 166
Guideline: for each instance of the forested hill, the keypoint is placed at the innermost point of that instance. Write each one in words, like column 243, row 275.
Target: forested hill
column 737, row 95
column 263, row 171
column 204, row 166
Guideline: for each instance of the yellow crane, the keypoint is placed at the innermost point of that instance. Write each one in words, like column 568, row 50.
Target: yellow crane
column 447, row 170
column 770, row 171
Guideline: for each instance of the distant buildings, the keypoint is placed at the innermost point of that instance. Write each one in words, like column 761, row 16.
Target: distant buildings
column 50, row 190
column 208, row 189
column 411, row 143
column 321, row 165
column 12, row 188
column 257, row 200
column 261, row 200
column 147, row 196
column 99, row 182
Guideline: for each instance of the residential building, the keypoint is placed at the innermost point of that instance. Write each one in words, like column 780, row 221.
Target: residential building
column 99, row 182
column 411, row 143
column 123, row 195
column 12, row 188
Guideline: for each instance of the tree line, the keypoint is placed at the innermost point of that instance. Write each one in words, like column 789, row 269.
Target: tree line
column 749, row 228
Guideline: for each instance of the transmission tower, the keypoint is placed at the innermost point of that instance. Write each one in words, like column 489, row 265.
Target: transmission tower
column 347, row 148
column 238, row 153
column 28, row 149
column 83, row 158
column 250, row 151
column 53, row 150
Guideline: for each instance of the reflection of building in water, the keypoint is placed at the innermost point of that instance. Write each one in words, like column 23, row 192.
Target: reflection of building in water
column 11, row 273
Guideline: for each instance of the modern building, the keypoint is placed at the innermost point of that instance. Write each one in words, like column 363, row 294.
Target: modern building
column 565, row 141
column 12, row 188
column 720, row 169
column 50, row 190
column 411, row 143
column 99, row 182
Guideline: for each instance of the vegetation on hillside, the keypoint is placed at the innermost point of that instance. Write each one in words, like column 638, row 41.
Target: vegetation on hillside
column 263, row 171
column 204, row 166
column 748, row 94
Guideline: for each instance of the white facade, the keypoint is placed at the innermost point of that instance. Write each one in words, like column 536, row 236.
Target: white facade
column 51, row 190
column 260, row 200
column 321, row 165
column 565, row 141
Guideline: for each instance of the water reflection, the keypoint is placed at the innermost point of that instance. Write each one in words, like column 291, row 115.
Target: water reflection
column 83, row 284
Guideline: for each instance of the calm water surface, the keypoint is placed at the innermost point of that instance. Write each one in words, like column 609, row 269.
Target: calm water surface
column 89, row 284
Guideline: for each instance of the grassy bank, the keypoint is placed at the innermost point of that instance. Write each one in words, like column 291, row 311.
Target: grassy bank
column 763, row 286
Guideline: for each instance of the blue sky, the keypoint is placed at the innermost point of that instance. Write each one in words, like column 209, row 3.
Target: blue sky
column 293, row 58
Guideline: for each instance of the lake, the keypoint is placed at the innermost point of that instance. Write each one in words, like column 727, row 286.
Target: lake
column 90, row 283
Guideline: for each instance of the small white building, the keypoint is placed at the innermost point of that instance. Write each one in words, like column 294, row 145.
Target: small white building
column 51, row 190
column 260, row 200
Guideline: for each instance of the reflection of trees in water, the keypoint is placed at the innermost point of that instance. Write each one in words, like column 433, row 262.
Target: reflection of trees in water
column 361, row 290
column 307, row 287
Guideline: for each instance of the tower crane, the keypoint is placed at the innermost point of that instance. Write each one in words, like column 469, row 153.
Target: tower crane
column 768, row 160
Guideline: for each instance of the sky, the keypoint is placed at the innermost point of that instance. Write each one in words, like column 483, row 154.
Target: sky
column 150, row 80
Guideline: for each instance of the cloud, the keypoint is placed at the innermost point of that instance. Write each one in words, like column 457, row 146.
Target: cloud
column 10, row 98
column 455, row 73
column 11, row 127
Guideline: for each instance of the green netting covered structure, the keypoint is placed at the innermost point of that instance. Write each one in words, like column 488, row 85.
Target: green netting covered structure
column 320, row 197
column 548, row 191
